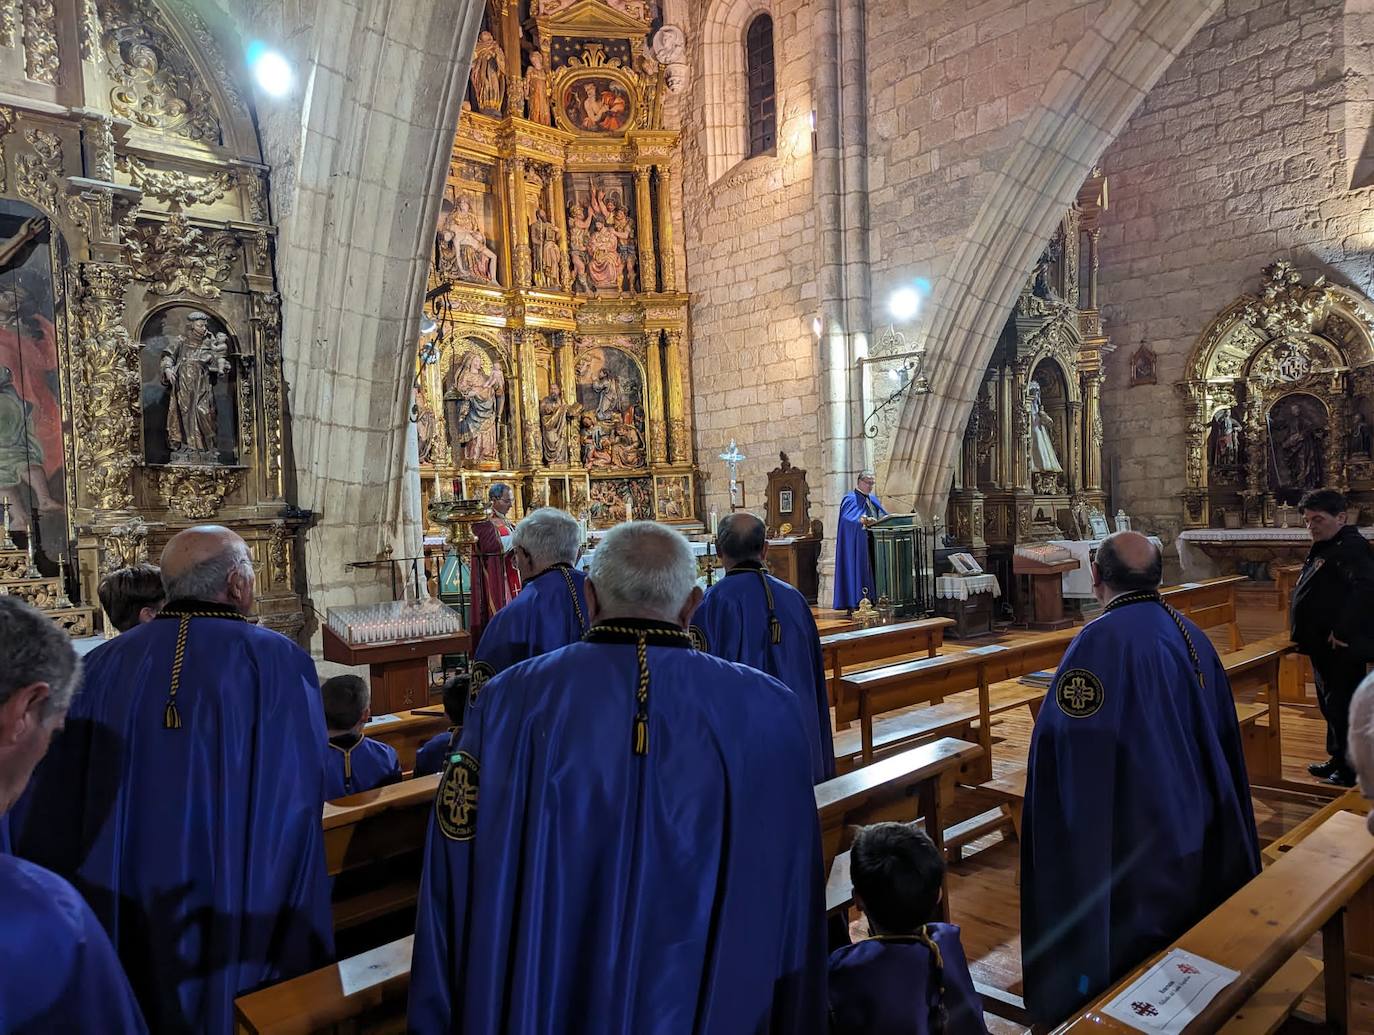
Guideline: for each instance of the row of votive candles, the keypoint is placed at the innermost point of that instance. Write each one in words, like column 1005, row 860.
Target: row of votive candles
column 395, row 621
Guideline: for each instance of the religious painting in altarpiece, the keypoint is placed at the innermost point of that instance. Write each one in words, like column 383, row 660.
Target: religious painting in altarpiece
column 554, row 250
column 1277, row 398
column 141, row 384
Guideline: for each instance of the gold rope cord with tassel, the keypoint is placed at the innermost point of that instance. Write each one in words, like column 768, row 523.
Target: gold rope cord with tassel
column 572, row 592
column 642, row 697
column 939, row 1013
column 774, row 626
column 641, row 638
column 171, row 716
column 1150, row 597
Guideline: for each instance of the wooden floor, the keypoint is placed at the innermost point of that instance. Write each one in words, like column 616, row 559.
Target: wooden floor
column 984, row 897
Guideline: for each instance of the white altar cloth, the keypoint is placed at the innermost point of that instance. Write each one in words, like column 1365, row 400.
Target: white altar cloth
column 1078, row 585
column 1196, row 563
column 961, row 587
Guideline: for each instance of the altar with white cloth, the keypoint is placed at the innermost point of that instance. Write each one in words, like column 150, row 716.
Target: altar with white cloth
column 1078, row 585
column 1205, row 553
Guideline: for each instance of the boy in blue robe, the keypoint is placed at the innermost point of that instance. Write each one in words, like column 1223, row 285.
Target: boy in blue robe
column 434, row 752
column 853, row 556
column 551, row 609
column 643, row 855
column 58, row 971
column 355, row 762
column 910, row 977
column 759, row 621
column 183, row 800
column 1138, row 819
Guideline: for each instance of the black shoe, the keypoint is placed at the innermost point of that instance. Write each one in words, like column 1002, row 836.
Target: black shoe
column 1321, row 770
column 1342, row 778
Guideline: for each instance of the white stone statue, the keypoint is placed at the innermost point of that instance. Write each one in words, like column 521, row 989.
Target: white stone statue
column 670, row 50
column 1042, row 456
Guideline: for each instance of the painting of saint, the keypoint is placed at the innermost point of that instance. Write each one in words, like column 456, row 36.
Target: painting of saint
column 596, row 105
column 475, row 402
column 1297, row 446
column 461, row 242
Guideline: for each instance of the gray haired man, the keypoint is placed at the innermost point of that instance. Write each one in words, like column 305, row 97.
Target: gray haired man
column 60, row 972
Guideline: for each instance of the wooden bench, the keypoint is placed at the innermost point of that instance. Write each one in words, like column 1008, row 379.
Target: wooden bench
column 1260, row 928
column 845, row 650
column 1209, row 604
column 406, row 731
column 367, row 992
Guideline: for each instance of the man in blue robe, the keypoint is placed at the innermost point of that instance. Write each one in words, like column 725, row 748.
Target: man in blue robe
column 853, row 550
column 1138, row 820
column 551, row 609
column 759, row 621
column 644, row 855
column 58, row 971
column 184, row 798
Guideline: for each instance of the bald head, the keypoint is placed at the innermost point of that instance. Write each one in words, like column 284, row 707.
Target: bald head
column 1127, row 562
column 740, row 537
column 642, row 569
column 211, row 563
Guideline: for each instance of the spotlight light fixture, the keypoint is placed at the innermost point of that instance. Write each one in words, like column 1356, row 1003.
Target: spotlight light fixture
column 271, row 71
column 904, row 304
column 427, row 325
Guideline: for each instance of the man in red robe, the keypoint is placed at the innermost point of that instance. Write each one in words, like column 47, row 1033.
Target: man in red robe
column 494, row 579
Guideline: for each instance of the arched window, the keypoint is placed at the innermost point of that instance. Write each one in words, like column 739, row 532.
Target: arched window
column 758, row 62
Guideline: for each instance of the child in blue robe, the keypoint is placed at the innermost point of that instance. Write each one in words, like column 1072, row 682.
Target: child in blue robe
column 354, row 762
column 910, row 977
column 435, row 751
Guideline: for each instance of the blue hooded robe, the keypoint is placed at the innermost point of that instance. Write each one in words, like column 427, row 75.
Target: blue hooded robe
column 643, row 857
column 356, row 763
column 754, row 619
column 549, row 612
column 434, row 752
column 1138, row 819
column 184, row 804
column 853, row 562
column 58, row 971
column 891, row 985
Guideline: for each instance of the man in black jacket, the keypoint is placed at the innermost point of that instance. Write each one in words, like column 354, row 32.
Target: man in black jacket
column 1333, row 620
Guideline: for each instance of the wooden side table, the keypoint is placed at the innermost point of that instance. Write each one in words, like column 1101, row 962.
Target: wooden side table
column 399, row 671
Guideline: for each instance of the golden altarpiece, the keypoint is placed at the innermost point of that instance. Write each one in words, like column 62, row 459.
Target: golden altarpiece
column 1279, row 399
column 1031, row 465
column 140, row 355
column 557, row 361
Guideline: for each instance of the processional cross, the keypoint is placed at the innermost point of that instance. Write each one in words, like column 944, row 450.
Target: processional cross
column 733, row 458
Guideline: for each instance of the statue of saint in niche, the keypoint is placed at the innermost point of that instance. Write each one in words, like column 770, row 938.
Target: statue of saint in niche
column 1043, row 456
column 544, row 250
column 463, row 250
column 537, row 85
column 554, row 415
column 1297, row 438
column 476, row 403
column 190, row 366
column 488, row 75
column 1361, row 436
column 1223, row 442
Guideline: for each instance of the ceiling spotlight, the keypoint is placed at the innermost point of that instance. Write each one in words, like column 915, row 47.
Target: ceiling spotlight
column 427, row 325
column 904, row 304
column 271, row 71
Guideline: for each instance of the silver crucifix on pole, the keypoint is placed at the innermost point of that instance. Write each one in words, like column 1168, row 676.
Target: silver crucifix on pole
column 733, row 458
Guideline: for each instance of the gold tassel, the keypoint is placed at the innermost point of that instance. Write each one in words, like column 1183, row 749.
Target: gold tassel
column 775, row 628
column 641, row 735
column 171, row 717
column 642, row 697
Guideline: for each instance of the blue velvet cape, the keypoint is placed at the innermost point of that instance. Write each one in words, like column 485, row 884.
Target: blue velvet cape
column 853, row 565
column 733, row 622
column 549, row 612
column 888, row 986
column 600, row 890
column 364, row 766
column 434, row 752
column 200, row 848
column 58, row 971
column 1138, row 819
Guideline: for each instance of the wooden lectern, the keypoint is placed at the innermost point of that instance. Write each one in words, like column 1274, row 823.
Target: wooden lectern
column 898, row 563
column 399, row 671
column 1045, row 567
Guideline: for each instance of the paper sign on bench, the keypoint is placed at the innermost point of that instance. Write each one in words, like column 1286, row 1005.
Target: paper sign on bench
column 1171, row 993
column 381, row 720
column 1189, row 585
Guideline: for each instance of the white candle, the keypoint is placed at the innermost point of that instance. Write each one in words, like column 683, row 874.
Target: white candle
column 711, row 529
column 629, row 509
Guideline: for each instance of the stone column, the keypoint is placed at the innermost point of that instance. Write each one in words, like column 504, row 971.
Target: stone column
column 680, row 414
column 667, row 268
column 644, row 212
column 658, row 424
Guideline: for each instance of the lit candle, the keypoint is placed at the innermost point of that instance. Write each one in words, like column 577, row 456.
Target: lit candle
column 711, row 529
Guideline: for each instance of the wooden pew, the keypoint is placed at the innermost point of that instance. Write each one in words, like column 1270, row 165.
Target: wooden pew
column 862, row 647
column 1209, row 604
column 367, row 992
column 406, row 731
column 1265, row 924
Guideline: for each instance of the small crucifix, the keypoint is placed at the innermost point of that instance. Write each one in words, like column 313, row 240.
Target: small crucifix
column 733, row 458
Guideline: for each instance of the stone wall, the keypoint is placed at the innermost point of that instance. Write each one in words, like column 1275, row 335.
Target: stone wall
column 750, row 250
column 1235, row 159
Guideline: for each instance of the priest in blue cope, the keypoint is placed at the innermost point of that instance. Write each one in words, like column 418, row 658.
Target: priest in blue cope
column 550, row 610
column 759, row 621
column 58, row 971
column 1138, row 819
column 184, row 798
column 853, row 556
column 643, row 855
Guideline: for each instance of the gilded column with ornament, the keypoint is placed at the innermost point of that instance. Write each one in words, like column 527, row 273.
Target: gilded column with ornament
column 648, row 272
column 658, row 430
column 666, row 266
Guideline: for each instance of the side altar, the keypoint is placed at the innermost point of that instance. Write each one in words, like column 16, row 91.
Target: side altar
column 555, row 354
